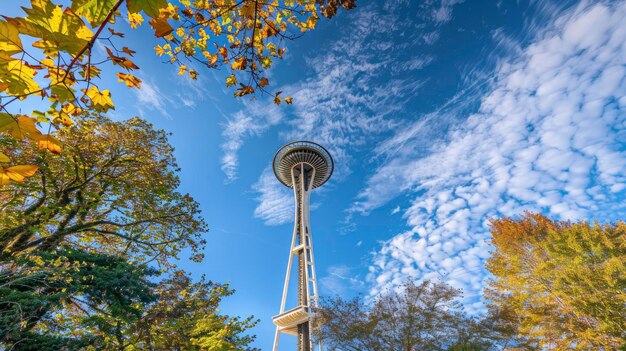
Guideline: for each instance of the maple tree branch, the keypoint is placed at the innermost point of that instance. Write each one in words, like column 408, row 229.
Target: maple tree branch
column 91, row 41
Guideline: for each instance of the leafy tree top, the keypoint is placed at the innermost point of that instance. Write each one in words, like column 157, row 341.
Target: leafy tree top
column 112, row 188
column 561, row 284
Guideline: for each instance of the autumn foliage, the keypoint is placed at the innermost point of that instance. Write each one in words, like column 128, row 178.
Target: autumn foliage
column 561, row 284
column 63, row 68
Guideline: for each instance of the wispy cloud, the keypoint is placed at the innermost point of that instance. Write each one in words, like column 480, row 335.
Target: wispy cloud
column 443, row 12
column 355, row 89
column 253, row 121
column 548, row 136
column 276, row 205
column 151, row 98
column 341, row 280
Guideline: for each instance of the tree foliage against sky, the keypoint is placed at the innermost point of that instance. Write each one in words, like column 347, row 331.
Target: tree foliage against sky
column 112, row 189
column 83, row 243
column 562, row 284
column 425, row 316
column 186, row 317
column 61, row 66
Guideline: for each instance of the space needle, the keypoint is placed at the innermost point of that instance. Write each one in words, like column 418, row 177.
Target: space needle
column 302, row 166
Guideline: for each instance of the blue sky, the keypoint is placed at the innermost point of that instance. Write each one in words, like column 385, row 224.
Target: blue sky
column 439, row 115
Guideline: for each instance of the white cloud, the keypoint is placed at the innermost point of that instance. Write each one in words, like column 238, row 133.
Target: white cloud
column 548, row 136
column 354, row 89
column 341, row 281
column 443, row 13
column 253, row 121
column 151, row 98
column 276, row 204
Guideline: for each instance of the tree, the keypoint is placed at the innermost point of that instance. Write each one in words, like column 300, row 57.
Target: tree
column 80, row 243
column 186, row 317
column 49, row 301
column 562, row 284
column 245, row 36
column 112, row 190
column 425, row 316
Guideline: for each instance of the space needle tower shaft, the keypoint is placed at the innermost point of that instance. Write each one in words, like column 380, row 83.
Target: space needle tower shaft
column 301, row 166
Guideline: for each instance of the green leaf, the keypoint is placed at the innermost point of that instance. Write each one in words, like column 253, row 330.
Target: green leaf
column 63, row 93
column 150, row 7
column 95, row 11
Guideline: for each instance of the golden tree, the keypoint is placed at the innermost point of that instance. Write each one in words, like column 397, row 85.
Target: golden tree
column 562, row 284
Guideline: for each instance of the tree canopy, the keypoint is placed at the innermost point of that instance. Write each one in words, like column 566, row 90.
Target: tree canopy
column 425, row 316
column 112, row 189
column 84, row 244
column 561, row 284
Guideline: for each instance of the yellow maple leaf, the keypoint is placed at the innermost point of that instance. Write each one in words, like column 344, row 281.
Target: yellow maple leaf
column 248, row 10
column 181, row 70
column 135, row 19
column 266, row 62
column 311, row 22
column 16, row 173
column 180, row 31
column 59, row 29
column 240, row 63
column 20, row 127
column 231, row 80
column 19, row 78
column 100, row 100
column 289, row 100
column 193, row 74
column 10, row 42
column 159, row 50
column 211, row 57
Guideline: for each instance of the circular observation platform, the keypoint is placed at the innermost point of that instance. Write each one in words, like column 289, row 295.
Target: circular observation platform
column 307, row 152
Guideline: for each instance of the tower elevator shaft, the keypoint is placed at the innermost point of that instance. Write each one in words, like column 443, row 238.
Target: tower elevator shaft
column 297, row 321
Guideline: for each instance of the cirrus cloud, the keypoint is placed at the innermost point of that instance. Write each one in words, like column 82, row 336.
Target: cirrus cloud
column 548, row 136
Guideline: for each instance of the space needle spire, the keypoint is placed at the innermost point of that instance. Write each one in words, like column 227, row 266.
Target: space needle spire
column 302, row 166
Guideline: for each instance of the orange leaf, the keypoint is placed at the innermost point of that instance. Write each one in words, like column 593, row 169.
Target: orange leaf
column 128, row 51
column 224, row 52
column 213, row 59
column 50, row 143
column 161, row 27
column 20, row 129
column 244, row 90
column 289, row 100
column 264, row 82
column 129, row 80
column 121, row 61
column 121, row 35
